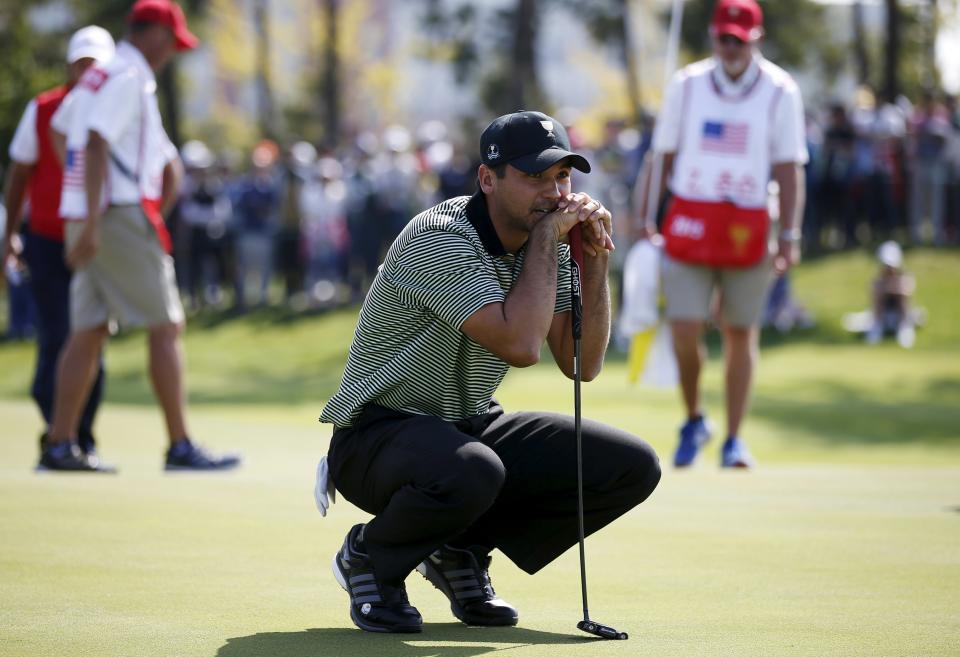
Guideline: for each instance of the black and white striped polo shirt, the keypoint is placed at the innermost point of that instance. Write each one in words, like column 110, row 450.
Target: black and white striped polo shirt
column 408, row 353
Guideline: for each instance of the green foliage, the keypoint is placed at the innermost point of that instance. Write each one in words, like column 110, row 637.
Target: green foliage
column 108, row 14
column 844, row 538
column 796, row 38
column 912, row 73
column 31, row 63
column 450, row 36
column 506, row 73
column 111, row 15
column 604, row 20
column 794, row 30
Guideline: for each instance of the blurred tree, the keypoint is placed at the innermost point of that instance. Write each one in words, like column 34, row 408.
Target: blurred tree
column 795, row 37
column 608, row 22
column 32, row 62
column 860, row 43
column 265, row 105
column 509, row 80
column 512, row 82
column 905, row 60
column 794, row 31
column 891, row 54
column 451, row 37
column 330, row 83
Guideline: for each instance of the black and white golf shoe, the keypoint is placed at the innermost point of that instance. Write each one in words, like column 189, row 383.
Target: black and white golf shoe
column 374, row 605
column 463, row 577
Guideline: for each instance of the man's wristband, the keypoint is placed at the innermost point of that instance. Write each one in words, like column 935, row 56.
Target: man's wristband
column 790, row 235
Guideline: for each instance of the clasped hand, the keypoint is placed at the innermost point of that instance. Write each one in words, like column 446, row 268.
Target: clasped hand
column 597, row 222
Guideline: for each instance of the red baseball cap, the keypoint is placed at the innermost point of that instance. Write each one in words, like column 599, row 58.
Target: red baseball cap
column 740, row 18
column 166, row 13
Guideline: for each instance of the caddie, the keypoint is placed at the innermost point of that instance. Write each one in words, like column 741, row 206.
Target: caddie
column 122, row 172
column 728, row 124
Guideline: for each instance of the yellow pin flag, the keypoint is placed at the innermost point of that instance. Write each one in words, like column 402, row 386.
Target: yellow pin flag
column 639, row 351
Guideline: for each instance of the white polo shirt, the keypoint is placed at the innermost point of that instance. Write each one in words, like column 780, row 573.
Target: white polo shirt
column 727, row 134
column 25, row 148
column 119, row 102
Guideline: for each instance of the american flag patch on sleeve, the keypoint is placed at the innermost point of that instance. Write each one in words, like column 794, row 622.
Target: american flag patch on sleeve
column 73, row 174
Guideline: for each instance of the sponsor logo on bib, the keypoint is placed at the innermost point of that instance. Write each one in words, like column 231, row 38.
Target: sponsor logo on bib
column 689, row 227
column 739, row 234
column 93, row 78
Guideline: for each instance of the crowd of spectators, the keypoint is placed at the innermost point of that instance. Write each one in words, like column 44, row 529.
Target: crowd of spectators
column 317, row 223
column 307, row 227
column 884, row 170
column 304, row 226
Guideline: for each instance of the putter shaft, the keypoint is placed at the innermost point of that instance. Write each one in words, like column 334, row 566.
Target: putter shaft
column 576, row 315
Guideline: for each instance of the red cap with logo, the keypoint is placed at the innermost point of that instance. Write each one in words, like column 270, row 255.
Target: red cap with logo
column 740, row 18
column 166, row 13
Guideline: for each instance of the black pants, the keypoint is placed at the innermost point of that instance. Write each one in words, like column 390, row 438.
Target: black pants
column 497, row 480
column 50, row 283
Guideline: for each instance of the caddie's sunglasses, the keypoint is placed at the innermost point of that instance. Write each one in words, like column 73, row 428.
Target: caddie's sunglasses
column 730, row 40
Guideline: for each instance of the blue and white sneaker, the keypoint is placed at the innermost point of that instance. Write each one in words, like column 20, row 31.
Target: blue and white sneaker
column 735, row 454
column 694, row 434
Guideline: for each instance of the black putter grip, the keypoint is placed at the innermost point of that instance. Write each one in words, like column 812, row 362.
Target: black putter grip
column 576, row 301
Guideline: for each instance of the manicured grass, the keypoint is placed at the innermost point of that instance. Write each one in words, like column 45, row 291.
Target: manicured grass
column 789, row 560
column 844, row 541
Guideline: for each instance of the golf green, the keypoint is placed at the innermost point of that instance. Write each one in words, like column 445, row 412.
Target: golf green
column 845, row 540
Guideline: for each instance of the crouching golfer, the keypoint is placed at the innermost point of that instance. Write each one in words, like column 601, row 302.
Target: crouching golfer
column 469, row 288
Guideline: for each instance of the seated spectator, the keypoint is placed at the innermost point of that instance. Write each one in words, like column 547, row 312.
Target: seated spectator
column 891, row 294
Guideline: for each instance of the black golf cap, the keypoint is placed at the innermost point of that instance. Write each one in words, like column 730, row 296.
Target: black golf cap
column 529, row 141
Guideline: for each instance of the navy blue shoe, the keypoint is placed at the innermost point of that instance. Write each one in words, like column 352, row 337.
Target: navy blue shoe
column 184, row 455
column 694, row 434
column 375, row 606
column 735, row 454
column 68, row 457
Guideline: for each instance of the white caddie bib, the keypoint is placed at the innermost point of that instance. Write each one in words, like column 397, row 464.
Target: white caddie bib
column 726, row 141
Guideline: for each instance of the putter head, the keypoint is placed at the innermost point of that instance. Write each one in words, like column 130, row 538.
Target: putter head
column 602, row 631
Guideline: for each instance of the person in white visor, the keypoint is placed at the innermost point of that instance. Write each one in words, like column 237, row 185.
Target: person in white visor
column 33, row 188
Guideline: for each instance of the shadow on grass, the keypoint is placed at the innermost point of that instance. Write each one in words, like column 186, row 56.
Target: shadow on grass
column 846, row 415
column 442, row 639
column 266, row 317
column 247, row 387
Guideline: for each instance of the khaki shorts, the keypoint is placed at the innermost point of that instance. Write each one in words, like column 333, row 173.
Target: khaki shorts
column 689, row 290
column 131, row 279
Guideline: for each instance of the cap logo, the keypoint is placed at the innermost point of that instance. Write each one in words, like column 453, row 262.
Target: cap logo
column 493, row 152
column 548, row 126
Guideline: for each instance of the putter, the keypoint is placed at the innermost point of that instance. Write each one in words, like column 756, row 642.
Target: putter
column 576, row 316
